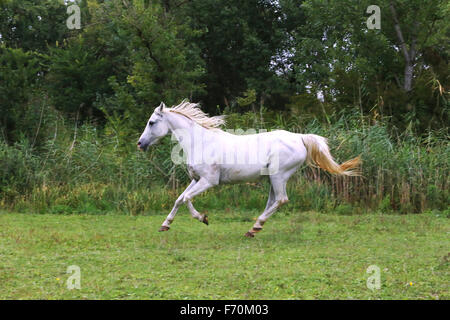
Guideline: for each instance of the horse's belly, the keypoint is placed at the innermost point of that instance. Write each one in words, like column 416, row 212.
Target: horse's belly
column 239, row 173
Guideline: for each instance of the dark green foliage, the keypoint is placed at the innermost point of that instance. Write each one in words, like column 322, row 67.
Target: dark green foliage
column 336, row 55
column 237, row 40
column 32, row 25
column 19, row 77
column 77, row 75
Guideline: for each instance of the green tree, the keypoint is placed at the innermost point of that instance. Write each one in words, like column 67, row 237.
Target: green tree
column 239, row 42
column 151, row 59
column 19, row 75
column 335, row 53
column 78, row 73
column 32, row 25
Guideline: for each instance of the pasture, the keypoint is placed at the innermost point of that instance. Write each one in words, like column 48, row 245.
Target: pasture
column 298, row 255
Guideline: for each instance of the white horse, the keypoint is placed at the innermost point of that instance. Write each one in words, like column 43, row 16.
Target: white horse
column 214, row 156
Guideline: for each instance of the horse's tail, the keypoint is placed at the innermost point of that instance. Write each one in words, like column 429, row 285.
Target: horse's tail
column 318, row 154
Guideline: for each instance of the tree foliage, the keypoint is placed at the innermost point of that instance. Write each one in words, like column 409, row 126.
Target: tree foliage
column 309, row 57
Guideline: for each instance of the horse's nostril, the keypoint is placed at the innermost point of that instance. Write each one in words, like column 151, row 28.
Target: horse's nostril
column 139, row 143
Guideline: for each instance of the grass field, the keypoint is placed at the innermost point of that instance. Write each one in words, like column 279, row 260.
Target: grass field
column 297, row 256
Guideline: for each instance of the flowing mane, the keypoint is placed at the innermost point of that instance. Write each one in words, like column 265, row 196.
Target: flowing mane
column 193, row 112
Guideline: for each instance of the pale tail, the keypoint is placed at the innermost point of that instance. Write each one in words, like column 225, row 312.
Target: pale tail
column 319, row 155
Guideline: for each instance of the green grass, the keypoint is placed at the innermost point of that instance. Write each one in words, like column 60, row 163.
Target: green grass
column 296, row 256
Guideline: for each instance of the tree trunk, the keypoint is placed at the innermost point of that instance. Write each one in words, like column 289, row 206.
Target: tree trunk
column 409, row 55
column 409, row 72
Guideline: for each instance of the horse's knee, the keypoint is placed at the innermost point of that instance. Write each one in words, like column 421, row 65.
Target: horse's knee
column 178, row 202
column 183, row 199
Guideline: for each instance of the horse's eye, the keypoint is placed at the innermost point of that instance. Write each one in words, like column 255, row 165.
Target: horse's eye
column 151, row 123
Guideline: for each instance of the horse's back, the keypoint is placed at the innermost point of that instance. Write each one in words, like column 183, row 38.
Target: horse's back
column 267, row 152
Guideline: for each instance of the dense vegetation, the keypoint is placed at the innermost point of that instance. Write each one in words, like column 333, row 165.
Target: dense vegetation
column 74, row 102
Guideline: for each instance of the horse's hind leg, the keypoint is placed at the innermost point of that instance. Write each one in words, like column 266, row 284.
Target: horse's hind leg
column 277, row 198
column 270, row 201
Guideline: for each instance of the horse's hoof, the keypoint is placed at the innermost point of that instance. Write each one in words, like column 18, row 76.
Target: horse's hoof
column 205, row 219
column 163, row 228
column 250, row 234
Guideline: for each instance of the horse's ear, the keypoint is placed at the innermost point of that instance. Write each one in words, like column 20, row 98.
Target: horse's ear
column 162, row 106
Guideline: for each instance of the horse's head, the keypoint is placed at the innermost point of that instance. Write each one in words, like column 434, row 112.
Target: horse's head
column 155, row 129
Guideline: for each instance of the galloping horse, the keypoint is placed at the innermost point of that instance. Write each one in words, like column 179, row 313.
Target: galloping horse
column 215, row 157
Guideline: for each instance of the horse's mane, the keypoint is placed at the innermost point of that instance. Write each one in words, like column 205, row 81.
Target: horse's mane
column 192, row 111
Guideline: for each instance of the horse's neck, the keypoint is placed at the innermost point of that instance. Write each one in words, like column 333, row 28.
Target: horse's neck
column 187, row 131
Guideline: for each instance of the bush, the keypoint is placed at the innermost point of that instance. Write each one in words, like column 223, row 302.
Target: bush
column 19, row 170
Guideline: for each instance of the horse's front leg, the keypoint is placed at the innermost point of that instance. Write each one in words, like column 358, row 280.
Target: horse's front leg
column 195, row 214
column 166, row 224
column 202, row 185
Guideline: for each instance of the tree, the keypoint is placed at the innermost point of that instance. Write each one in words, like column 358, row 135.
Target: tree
column 238, row 41
column 78, row 73
column 337, row 54
column 19, row 75
column 32, row 25
column 160, row 66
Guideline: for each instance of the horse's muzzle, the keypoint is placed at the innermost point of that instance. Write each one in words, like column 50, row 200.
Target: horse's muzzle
column 142, row 146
